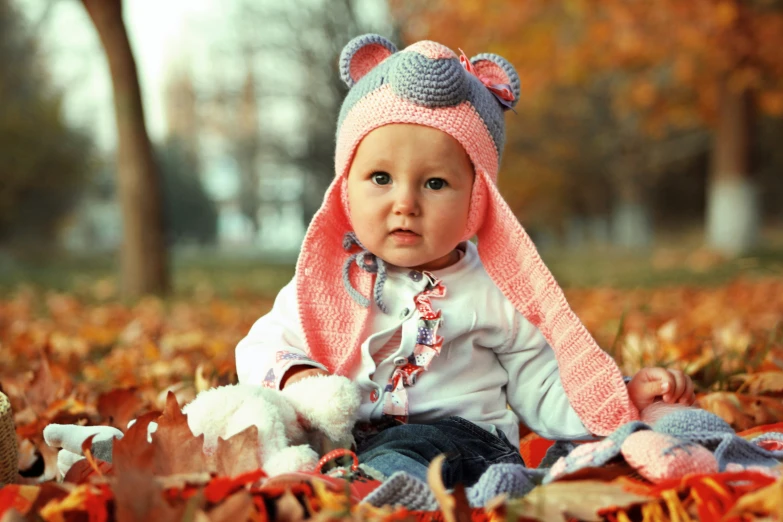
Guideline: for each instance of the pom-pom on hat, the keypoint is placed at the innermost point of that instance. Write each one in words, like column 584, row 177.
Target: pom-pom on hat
column 428, row 84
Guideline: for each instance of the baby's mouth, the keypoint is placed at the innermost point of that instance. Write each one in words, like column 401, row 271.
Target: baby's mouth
column 403, row 232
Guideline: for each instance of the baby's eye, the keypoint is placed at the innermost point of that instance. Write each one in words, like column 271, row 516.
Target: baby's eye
column 436, row 183
column 380, row 178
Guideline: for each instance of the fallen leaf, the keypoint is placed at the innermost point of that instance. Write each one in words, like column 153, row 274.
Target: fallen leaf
column 120, row 406
column 238, row 454
column 288, row 508
column 133, row 452
column 176, row 449
column 220, row 487
column 767, row 501
column 19, row 498
column 82, row 471
column 236, row 508
column 761, row 383
column 574, row 499
column 139, row 498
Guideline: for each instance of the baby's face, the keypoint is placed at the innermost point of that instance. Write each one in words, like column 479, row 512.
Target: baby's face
column 409, row 191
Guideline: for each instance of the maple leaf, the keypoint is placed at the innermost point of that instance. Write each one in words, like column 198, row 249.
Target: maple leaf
column 176, row 449
column 133, row 452
column 48, row 385
column 138, row 498
column 119, row 406
column 238, row 454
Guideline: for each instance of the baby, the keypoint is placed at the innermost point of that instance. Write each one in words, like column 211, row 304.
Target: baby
column 440, row 334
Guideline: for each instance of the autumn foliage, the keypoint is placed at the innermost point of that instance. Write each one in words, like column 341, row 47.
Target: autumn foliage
column 86, row 360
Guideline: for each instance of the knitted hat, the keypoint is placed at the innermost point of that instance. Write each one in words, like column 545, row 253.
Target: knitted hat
column 428, row 84
column 686, row 441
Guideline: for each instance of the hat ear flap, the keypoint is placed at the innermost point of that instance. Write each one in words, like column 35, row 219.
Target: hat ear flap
column 363, row 54
column 497, row 70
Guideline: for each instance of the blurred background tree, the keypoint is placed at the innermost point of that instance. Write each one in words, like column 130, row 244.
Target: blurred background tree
column 617, row 150
column 189, row 214
column 656, row 86
column 45, row 162
column 143, row 255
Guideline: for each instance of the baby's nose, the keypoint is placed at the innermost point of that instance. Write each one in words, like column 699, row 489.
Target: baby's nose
column 405, row 203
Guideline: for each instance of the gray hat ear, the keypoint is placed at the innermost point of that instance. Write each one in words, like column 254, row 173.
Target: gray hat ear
column 363, row 54
column 497, row 70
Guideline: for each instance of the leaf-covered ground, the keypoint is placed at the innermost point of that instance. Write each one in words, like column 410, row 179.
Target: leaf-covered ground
column 87, row 357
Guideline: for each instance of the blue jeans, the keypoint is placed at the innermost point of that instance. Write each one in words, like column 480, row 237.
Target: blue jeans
column 469, row 450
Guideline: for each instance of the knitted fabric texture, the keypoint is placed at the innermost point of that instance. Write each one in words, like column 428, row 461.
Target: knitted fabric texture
column 426, row 84
column 686, row 441
column 402, row 489
column 9, row 455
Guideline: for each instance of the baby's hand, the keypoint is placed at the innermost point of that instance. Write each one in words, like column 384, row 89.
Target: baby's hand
column 673, row 386
column 297, row 373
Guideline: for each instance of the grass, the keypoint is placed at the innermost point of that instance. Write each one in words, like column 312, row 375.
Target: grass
column 676, row 261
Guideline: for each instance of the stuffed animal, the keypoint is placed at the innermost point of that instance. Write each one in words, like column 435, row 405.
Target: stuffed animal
column 292, row 424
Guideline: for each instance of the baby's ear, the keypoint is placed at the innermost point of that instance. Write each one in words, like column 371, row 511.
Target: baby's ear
column 497, row 69
column 363, row 54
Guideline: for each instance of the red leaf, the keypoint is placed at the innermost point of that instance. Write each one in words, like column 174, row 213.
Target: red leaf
column 220, row 487
column 119, row 406
column 81, row 472
column 133, row 451
column 237, row 507
column 20, row 498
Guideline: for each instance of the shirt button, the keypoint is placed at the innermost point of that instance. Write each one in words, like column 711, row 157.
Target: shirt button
column 415, row 275
column 404, row 313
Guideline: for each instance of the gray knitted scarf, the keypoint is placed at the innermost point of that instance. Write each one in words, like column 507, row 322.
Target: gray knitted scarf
column 368, row 262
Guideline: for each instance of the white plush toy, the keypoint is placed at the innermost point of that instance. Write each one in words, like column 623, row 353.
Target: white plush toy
column 325, row 404
column 288, row 422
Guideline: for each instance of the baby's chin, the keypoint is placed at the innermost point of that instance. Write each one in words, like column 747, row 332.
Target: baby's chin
column 419, row 263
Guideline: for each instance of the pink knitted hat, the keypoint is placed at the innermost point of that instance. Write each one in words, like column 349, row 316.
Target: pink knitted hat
column 427, row 84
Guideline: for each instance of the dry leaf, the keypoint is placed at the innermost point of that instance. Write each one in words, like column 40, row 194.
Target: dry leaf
column 765, row 501
column 176, row 449
column 120, row 406
column 133, row 452
column 238, row 454
column 761, row 383
column 579, row 499
column 288, row 508
column 139, row 498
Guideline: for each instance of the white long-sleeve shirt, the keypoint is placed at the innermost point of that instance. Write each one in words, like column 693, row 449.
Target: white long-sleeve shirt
column 491, row 356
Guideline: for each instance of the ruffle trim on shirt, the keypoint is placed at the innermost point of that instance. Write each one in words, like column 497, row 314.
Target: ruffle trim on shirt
column 428, row 346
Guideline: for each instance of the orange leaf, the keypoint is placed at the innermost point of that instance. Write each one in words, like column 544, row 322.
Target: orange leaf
column 220, row 487
column 175, row 447
column 20, row 498
column 120, row 406
column 238, row 454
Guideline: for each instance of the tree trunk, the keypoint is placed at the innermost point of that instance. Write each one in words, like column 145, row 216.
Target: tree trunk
column 733, row 214
column 143, row 256
column 631, row 221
